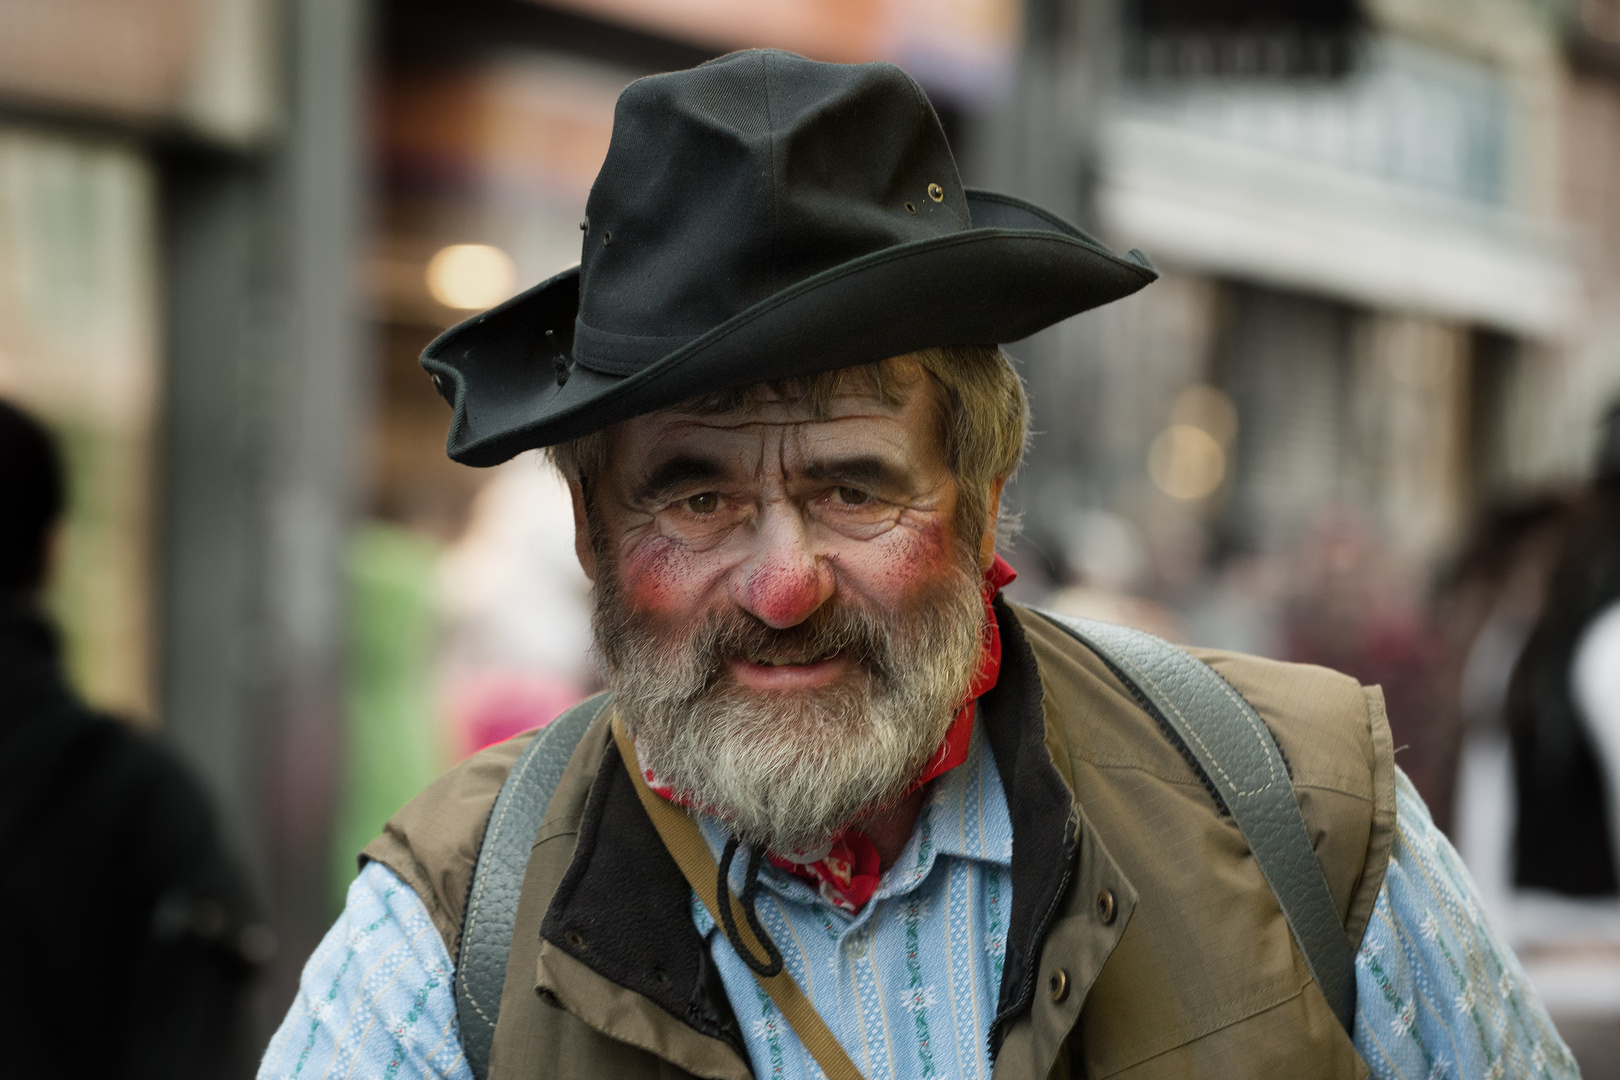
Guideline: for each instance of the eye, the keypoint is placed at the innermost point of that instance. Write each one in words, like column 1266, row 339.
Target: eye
column 852, row 496
column 706, row 503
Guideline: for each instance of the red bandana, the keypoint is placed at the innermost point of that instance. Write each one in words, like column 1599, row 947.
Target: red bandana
column 848, row 874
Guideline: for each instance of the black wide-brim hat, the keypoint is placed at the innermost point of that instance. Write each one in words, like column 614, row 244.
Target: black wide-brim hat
column 760, row 217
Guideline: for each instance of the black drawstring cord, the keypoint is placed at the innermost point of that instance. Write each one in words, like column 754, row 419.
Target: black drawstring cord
column 722, row 891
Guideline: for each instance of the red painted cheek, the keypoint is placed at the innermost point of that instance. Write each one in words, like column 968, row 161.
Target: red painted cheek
column 663, row 578
column 902, row 562
column 928, row 548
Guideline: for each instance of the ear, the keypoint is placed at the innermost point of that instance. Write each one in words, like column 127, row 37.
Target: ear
column 987, row 543
column 582, row 531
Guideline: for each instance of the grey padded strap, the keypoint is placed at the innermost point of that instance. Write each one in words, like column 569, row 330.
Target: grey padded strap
column 503, row 859
column 1231, row 743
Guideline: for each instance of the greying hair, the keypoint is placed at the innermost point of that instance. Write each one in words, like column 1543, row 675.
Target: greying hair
column 985, row 425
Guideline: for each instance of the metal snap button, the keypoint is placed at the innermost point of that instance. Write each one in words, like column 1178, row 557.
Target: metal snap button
column 1058, row 986
column 936, row 193
column 1106, row 908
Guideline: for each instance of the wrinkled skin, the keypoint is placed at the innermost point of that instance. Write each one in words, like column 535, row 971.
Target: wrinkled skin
column 777, row 513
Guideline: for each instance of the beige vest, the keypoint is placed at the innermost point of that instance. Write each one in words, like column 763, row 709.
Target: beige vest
column 1193, row 973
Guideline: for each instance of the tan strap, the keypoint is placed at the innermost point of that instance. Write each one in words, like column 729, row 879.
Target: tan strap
column 685, row 843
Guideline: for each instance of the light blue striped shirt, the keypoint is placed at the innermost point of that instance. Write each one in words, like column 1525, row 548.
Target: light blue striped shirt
column 375, row 997
column 909, row 985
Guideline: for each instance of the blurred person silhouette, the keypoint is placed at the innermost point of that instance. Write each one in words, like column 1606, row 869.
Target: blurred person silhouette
column 128, row 936
column 1564, row 701
column 1489, row 599
column 1355, row 608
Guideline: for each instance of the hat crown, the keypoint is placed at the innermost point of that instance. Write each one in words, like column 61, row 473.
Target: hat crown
column 729, row 182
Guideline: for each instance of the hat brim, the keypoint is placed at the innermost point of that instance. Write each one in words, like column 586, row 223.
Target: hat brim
column 1016, row 271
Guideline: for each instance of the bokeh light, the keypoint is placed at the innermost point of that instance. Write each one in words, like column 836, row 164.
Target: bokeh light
column 471, row 276
column 1186, row 462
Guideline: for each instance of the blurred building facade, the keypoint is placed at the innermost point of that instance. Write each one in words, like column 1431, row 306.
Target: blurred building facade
column 1385, row 231
column 1390, row 237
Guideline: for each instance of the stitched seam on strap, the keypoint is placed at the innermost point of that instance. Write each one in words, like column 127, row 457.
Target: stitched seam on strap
column 483, row 878
column 1167, row 702
column 1254, row 725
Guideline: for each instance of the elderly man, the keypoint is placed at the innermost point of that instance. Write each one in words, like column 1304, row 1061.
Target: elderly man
column 845, row 811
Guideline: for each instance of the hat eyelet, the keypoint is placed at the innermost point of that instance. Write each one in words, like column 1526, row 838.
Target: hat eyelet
column 910, row 208
column 936, row 193
column 607, row 238
column 585, row 226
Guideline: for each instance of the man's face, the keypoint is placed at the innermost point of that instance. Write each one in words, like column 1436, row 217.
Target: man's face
column 787, row 613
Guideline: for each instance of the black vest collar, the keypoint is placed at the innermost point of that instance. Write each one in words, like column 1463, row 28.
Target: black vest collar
column 1045, row 819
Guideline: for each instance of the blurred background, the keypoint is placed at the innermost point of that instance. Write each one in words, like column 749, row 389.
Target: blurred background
column 1359, row 422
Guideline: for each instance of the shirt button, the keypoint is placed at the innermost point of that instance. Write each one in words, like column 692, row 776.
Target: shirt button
column 1106, row 908
column 1058, row 985
column 857, row 946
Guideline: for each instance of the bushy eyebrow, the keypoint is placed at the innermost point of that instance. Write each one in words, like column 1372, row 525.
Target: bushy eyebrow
column 676, row 473
column 865, row 472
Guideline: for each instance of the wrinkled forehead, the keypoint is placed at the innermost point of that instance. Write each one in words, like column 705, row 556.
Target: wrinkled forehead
column 766, row 407
column 900, row 417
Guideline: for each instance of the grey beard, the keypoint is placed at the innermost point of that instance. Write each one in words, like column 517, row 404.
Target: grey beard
column 790, row 770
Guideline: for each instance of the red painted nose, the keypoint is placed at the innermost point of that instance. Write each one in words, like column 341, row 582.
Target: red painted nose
column 786, row 582
column 782, row 597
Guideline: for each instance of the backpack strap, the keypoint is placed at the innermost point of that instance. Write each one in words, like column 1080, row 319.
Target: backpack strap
column 1216, row 728
column 497, row 882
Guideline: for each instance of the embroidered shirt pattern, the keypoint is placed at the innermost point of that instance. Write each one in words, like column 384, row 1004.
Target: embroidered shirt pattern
column 1439, row 995
column 375, row 998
